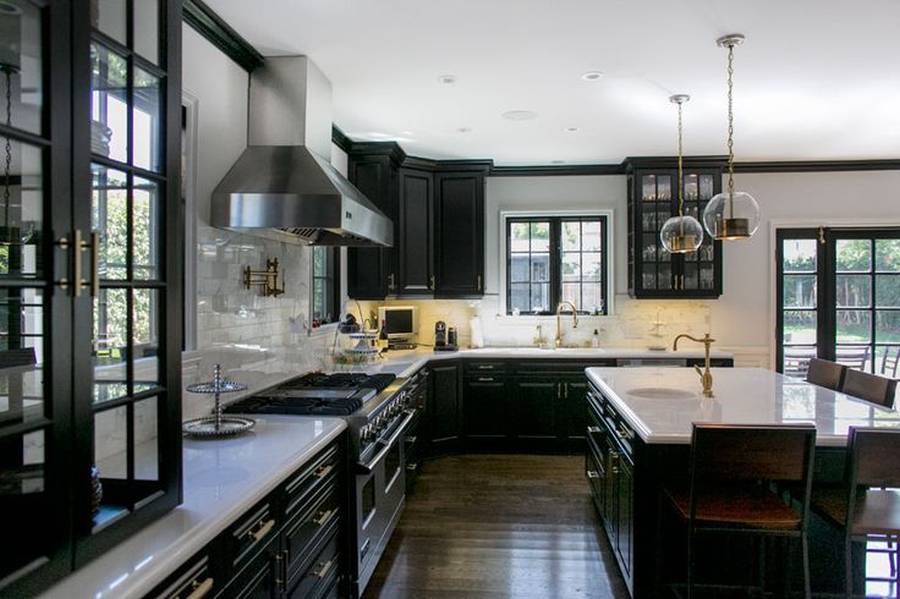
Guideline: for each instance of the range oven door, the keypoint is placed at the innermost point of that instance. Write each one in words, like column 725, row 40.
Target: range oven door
column 380, row 497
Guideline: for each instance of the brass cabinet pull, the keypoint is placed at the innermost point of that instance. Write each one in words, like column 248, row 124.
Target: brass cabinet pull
column 324, row 471
column 391, row 284
column 263, row 530
column 558, row 391
column 281, row 570
column 323, row 517
column 431, row 282
column 613, row 460
column 200, row 589
column 593, row 430
column 479, row 282
column 95, row 264
column 80, row 245
column 593, row 474
column 566, row 390
column 323, row 570
column 485, row 379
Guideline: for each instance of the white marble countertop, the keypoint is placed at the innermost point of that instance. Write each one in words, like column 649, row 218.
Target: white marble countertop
column 742, row 396
column 222, row 479
column 407, row 362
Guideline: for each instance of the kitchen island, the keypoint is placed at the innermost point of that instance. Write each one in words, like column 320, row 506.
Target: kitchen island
column 639, row 439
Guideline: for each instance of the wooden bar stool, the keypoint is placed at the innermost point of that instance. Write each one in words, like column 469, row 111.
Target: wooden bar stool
column 872, row 462
column 870, row 387
column 825, row 373
column 732, row 471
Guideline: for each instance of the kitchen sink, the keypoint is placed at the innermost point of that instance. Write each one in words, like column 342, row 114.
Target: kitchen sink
column 662, row 393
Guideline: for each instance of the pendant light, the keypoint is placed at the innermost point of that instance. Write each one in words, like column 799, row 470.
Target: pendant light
column 731, row 215
column 681, row 234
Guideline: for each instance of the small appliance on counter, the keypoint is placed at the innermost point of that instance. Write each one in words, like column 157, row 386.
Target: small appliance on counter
column 400, row 324
column 444, row 338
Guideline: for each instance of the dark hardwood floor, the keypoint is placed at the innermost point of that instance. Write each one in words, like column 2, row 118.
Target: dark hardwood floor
column 492, row 526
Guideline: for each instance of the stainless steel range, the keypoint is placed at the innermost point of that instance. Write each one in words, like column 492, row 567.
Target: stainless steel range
column 379, row 410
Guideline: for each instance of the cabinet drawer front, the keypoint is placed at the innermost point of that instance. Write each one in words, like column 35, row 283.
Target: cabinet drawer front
column 259, row 578
column 317, row 581
column 252, row 532
column 484, row 367
column 320, row 470
column 195, row 583
column 308, row 529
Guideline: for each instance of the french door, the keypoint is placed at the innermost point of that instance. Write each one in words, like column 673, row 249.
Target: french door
column 838, row 295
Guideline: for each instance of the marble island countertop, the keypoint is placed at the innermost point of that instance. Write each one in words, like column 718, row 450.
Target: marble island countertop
column 661, row 404
column 222, row 479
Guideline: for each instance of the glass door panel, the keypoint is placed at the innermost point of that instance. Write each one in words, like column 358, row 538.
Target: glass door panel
column 798, row 303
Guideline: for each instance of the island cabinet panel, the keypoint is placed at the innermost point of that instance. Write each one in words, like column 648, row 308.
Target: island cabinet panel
column 575, row 411
column 415, row 245
column 445, row 408
column 459, row 235
column 287, row 545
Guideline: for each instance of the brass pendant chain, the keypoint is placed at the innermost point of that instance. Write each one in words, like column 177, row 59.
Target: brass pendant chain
column 731, row 129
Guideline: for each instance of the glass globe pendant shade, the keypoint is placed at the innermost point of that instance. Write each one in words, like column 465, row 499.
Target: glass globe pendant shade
column 681, row 235
column 731, row 216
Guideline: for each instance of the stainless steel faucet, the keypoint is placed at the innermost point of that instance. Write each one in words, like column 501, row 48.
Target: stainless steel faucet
column 559, row 326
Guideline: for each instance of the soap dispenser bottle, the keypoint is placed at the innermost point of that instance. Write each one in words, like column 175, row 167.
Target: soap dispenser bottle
column 595, row 340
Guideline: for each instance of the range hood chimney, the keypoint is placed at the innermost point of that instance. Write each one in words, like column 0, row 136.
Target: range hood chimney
column 283, row 186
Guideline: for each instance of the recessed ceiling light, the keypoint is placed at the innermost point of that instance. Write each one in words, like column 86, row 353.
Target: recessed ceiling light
column 519, row 115
column 592, row 76
column 464, row 129
column 570, row 129
column 447, row 79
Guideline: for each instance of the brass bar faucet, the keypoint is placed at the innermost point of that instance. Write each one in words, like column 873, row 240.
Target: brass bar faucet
column 705, row 374
column 558, row 326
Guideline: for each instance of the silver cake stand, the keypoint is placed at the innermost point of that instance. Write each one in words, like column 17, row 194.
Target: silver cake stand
column 217, row 425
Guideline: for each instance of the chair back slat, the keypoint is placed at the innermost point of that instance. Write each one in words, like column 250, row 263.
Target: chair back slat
column 749, row 452
column 874, row 457
column 825, row 373
column 870, row 387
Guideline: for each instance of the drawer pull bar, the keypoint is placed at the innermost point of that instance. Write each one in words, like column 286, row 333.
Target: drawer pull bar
column 201, row 589
column 592, row 474
column 593, row 430
column 324, row 471
column 264, row 529
column 323, row 517
column 324, row 569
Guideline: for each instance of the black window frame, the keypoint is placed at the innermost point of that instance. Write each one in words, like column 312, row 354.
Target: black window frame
column 332, row 287
column 826, row 239
column 556, row 256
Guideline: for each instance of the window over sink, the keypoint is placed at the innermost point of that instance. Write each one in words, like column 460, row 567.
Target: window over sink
column 558, row 258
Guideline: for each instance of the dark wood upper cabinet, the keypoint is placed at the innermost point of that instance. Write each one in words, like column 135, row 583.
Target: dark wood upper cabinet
column 459, row 234
column 416, row 238
column 372, row 271
column 652, row 199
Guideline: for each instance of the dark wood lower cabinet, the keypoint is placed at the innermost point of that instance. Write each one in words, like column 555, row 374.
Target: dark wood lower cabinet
column 487, row 416
column 445, row 408
column 535, row 413
column 287, row 545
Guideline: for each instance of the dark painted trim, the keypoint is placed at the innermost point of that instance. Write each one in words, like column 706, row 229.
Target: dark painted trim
column 393, row 149
column 220, row 34
column 816, row 166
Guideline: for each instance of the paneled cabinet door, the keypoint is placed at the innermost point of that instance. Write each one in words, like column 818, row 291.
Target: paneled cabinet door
column 486, row 411
column 372, row 271
column 459, row 235
column 415, row 252
column 536, row 410
column 624, row 514
column 445, row 408
column 575, row 412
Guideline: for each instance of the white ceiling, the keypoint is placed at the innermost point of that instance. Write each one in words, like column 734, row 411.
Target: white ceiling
column 816, row 79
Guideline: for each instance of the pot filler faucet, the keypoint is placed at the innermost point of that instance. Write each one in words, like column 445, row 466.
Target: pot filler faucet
column 559, row 327
column 705, row 374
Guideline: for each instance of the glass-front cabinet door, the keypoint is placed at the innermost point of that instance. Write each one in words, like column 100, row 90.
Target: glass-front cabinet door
column 35, row 310
column 653, row 198
column 90, row 279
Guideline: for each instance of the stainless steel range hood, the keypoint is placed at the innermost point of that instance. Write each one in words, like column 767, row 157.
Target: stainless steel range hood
column 282, row 187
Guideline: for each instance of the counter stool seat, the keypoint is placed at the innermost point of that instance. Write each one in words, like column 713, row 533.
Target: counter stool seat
column 877, row 510
column 742, row 506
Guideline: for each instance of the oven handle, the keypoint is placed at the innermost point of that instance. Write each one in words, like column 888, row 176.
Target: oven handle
column 370, row 467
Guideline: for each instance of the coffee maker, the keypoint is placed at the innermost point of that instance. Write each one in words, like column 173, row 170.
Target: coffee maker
column 444, row 338
column 440, row 335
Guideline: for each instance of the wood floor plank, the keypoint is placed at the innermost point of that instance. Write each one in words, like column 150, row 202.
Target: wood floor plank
column 496, row 527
